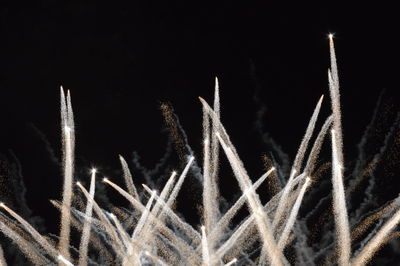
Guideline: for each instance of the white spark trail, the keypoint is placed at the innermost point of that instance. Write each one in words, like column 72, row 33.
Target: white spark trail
column 164, row 194
column 343, row 240
column 334, row 67
column 292, row 217
column 307, row 136
column 143, row 218
column 283, row 200
column 215, row 149
column 208, row 208
column 312, row 158
column 297, row 164
column 339, row 198
column 63, row 111
column 233, row 261
column 333, row 78
column 122, row 232
column 84, row 245
column 64, row 261
column 210, row 167
column 133, row 201
column 68, row 139
column 178, row 184
column 128, row 178
column 204, row 245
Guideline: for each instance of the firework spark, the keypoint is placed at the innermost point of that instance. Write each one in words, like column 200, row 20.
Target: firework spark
column 152, row 232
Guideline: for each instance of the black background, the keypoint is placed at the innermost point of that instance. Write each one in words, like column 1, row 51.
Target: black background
column 121, row 60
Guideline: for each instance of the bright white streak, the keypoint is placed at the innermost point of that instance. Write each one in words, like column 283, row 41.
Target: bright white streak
column 128, row 178
column 68, row 140
column 178, row 185
column 215, row 129
column 333, row 78
column 375, row 243
column 83, row 246
column 283, row 200
column 312, row 158
column 143, row 217
column 297, row 164
column 292, row 217
column 307, row 136
column 214, row 167
column 164, row 194
column 65, row 261
column 135, row 203
column 210, row 167
column 204, row 245
column 121, row 231
column 208, row 208
column 231, row 262
column 339, row 200
column 343, row 240
column 333, row 60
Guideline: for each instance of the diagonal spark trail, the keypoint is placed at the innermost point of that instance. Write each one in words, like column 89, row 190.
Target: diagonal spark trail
column 297, row 163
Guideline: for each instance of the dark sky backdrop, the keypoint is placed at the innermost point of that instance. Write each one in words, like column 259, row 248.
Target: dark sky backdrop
column 121, row 60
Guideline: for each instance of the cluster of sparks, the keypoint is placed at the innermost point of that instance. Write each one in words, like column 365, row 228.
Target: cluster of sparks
column 152, row 238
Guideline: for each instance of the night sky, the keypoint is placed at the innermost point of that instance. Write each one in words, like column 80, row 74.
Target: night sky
column 121, row 61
